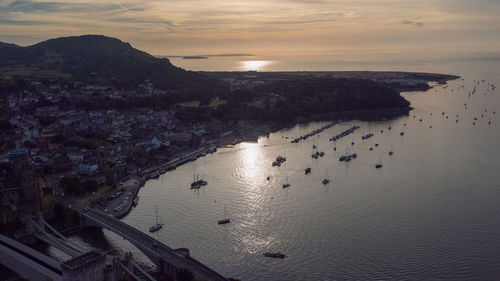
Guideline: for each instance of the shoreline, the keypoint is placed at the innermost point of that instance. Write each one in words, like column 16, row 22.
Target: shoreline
column 132, row 184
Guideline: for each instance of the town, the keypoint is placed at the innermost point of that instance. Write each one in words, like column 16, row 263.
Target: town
column 55, row 155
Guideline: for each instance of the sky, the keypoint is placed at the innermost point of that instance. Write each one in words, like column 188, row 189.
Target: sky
column 337, row 29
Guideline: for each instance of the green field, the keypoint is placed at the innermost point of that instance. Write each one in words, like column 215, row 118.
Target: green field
column 216, row 103
column 9, row 72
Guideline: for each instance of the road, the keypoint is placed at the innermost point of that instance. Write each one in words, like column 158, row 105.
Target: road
column 151, row 247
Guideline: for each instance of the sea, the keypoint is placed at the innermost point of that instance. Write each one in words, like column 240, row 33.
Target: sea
column 431, row 212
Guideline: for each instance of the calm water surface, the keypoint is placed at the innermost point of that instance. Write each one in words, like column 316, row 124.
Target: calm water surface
column 431, row 211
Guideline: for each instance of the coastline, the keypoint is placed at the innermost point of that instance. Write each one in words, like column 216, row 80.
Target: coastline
column 131, row 185
column 134, row 182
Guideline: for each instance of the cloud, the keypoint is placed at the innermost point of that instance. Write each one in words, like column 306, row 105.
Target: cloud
column 259, row 26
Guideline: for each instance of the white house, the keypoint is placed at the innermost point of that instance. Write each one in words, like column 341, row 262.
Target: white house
column 75, row 157
column 158, row 143
column 31, row 134
column 88, row 169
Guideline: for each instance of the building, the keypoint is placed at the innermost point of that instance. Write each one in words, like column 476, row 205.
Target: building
column 181, row 138
column 88, row 169
column 75, row 157
column 87, row 267
column 20, row 195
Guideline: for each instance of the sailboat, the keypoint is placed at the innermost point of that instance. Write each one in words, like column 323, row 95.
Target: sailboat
column 197, row 182
column 326, row 180
column 348, row 157
column 158, row 225
column 286, row 184
column 379, row 165
column 225, row 219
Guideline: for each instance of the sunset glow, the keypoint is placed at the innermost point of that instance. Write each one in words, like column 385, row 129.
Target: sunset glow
column 363, row 30
column 254, row 65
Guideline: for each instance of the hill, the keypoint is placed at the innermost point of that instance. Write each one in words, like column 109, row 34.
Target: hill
column 103, row 59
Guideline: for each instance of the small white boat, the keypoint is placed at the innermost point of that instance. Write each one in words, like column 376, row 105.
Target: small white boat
column 158, row 225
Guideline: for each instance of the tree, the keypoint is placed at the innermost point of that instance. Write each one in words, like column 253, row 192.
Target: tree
column 71, row 185
column 90, row 185
column 205, row 101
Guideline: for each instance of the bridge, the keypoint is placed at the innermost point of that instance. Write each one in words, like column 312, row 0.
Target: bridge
column 27, row 262
column 167, row 260
column 83, row 265
column 39, row 228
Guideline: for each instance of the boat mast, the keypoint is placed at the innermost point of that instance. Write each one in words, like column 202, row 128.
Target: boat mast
column 156, row 208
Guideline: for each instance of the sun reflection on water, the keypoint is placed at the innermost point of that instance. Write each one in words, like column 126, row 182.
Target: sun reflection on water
column 249, row 154
column 254, row 65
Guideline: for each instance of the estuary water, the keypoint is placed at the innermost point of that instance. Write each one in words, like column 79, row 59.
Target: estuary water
column 431, row 212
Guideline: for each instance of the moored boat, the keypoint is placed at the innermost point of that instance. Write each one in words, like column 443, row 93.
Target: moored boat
column 275, row 255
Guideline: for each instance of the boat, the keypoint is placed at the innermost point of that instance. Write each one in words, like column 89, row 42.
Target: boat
column 326, row 180
column 275, row 255
column 286, row 184
column 197, row 183
column 203, row 182
column 307, row 170
column 379, row 164
column 158, row 225
column 225, row 219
